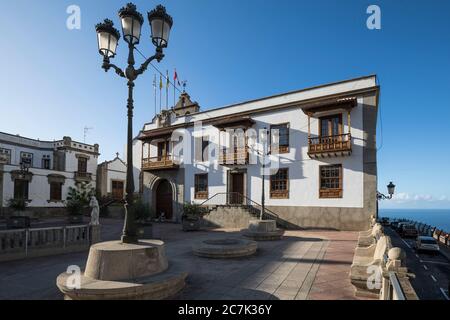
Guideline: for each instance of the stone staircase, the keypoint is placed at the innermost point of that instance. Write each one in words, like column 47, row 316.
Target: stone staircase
column 229, row 216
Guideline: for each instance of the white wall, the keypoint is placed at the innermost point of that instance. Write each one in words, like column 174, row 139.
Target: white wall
column 37, row 154
column 116, row 170
column 303, row 171
column 39, row 188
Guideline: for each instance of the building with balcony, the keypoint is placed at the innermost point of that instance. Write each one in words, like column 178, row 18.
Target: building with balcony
column 321, row 165
column 41, row 172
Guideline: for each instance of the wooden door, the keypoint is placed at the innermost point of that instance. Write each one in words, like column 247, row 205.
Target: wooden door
column 164, row 200
column 117, row 190
column 237, row 188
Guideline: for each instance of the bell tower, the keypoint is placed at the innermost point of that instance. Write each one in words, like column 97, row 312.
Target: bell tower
column 185, row 106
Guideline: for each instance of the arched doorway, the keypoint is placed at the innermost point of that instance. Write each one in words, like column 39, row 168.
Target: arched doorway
column 164, row 200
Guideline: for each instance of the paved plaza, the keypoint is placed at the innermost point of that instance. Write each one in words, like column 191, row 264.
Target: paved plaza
column 303, row 265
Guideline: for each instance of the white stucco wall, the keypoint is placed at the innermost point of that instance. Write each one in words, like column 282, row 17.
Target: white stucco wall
column 117, row 170
column 39, row 188
column 303, row 171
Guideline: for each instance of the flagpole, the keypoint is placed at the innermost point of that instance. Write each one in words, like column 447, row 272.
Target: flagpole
column 154, row 89
column 167, row 89
column 160, row 93
column 174, row 87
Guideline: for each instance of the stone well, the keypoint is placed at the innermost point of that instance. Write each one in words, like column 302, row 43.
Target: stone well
column 118, row 271
column 225, row 248
column 263, row 230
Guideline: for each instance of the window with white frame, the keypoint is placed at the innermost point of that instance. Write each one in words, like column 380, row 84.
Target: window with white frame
column 26, row 159
column 5, row 155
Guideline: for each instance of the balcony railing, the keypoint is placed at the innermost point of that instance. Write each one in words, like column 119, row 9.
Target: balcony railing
column 330, row 146
column 83, row 176
column 159, row 163
column 236, row 156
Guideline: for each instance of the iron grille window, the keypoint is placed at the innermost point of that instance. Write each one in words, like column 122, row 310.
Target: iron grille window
column 331, row 181
column 27, row 159
column 5, row 155
column 201, row 186
column 279, row 184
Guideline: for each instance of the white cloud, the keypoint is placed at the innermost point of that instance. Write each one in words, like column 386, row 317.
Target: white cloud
column 402, row 196
column 423, row 197
column 413, row 200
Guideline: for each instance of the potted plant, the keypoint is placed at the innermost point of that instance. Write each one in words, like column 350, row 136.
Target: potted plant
column 192, row 217
column 143, row 215
column 77, row 202
column 18, row 219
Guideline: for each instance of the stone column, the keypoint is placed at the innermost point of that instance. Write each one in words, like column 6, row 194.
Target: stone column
column 96, row 235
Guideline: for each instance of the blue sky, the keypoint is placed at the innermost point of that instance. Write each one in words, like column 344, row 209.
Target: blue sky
column 230, row 51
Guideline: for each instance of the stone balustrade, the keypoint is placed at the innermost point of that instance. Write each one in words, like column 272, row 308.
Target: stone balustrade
column 380, row 257
column 24, row 243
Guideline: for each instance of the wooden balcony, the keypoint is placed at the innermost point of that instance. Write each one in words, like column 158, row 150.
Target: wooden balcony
column 83, row 176
column 330, row 146
column 159, row 163
column 238, row 156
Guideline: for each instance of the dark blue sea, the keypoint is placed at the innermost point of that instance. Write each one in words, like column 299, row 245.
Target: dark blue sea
column 434, row 217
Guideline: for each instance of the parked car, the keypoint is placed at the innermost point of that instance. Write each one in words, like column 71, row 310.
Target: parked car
column 399, row 226
column 408, row 230
column 385, row 221
column 424, row 243
column 394, row 225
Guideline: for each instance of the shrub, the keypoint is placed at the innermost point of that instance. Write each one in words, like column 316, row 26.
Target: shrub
column 79, row 198
column 141, row 210
column 192, row 211
column 17, row 204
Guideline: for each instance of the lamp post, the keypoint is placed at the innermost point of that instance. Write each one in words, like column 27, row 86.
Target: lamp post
column 391, row 191
column 108, row 40
column 265, row 152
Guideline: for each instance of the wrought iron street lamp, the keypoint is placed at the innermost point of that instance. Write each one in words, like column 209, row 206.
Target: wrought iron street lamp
column 265, row 152
column 391, row 190
column 108, row 40
column 380, row 196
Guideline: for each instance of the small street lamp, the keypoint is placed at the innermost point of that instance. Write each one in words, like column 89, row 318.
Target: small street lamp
column 380, row 196
column 108, row 40
column 24, row 170
column 391, row 190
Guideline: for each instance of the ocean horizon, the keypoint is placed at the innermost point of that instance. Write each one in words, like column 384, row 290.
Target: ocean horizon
column 439, row 218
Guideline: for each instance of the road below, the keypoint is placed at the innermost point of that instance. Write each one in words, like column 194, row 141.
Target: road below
column 432, row 270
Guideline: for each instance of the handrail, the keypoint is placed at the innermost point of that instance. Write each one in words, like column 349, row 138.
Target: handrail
column 395, row 288
column 248, row 200
column 167, row 157
column 320, row 138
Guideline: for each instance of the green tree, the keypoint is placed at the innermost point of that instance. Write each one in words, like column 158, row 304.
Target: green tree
column 79, row 198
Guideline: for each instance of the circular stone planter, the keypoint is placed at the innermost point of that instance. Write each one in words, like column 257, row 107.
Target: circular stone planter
column 115, row 270
column 225, row 248
column 263, row 230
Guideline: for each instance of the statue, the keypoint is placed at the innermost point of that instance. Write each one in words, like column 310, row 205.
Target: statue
column 95, row 213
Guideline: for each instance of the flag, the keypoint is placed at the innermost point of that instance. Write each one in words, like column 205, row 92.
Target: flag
column 175, row 78
column 160, row 82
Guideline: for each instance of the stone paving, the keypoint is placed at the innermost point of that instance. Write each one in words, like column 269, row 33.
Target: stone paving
column 303, row 265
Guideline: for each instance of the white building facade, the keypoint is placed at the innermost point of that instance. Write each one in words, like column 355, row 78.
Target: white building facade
column 41, row 172
column 111, row 178
column 321, row 170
